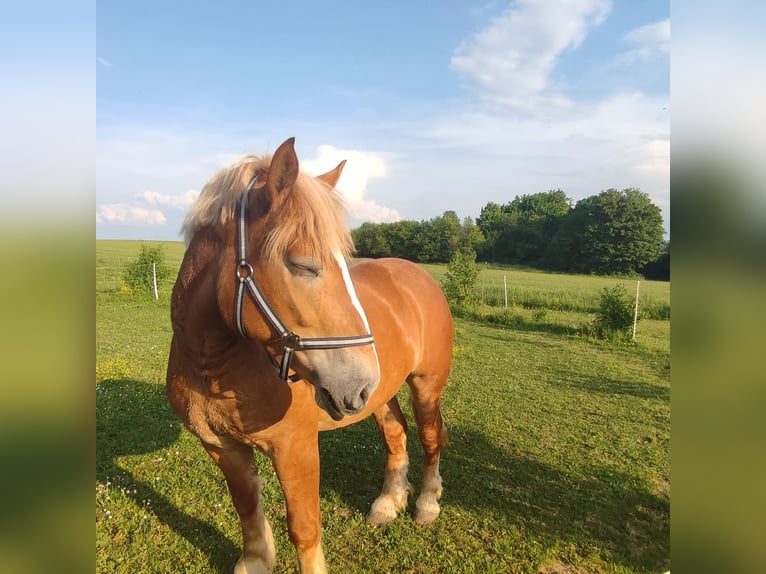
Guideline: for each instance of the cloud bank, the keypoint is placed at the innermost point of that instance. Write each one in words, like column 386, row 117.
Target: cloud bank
column 127, row 214
column 144, row 210
column 361, row 167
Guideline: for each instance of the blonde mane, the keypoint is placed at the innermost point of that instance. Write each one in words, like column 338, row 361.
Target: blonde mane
column 312, row 214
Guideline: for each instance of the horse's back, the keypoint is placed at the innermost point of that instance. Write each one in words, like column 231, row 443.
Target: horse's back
column 391, row 277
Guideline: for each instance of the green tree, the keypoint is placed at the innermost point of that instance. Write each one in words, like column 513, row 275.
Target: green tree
column 495, row 223
column 439, row 237
column 370, row 240
column 536, row 217
column 614, row 232
column 659, row 270
column 402, row 239
column 460, row 280
column 138, row 274
column 470, row 235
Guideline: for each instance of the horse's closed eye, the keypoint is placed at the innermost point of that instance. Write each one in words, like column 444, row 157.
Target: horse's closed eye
column 304, row 269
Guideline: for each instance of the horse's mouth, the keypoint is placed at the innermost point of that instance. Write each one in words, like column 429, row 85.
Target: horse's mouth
column 325, row 402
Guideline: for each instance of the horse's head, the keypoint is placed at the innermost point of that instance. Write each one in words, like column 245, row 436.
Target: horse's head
column 295, row 245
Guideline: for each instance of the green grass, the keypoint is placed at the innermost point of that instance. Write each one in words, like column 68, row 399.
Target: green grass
column 112, row 256
column 558, row 460
column 560, row 292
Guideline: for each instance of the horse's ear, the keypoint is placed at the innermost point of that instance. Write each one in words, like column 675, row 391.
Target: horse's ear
column 331, row 177
column 283, row 170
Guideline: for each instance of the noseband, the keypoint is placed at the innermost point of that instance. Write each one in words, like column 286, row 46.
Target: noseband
column 291, row 341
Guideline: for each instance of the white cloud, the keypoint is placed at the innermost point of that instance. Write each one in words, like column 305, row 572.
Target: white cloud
column 542, row 136
column 123, row 213
column 144, row 212
column 656, row 34
column 366, row 210
column 621, row 141
column 512, row 58
column 104, row 62
column 649, row 42
column 361, row 167
column 181, row 201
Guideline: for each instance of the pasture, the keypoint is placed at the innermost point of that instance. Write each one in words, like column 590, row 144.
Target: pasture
column 558, row 462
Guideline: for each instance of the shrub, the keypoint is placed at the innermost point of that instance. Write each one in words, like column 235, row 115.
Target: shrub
column 614, row 318
column 459, row 283
column 138, row 275
column 540, row 315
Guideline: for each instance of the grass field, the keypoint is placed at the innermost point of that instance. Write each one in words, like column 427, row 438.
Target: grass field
column 558, row 462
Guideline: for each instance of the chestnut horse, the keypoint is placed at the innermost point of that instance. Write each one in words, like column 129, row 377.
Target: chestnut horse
column 276, row 337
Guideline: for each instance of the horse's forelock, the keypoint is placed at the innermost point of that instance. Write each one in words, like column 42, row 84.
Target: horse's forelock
column 217, row 202
column 311, row 215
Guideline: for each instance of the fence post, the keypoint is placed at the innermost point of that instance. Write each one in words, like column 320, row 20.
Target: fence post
column 154, row 280
column 635, row 312
column 505, row 291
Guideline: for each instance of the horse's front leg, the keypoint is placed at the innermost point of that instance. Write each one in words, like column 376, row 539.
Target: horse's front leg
column 296, row 462
column 237, row 465
column 393, row 498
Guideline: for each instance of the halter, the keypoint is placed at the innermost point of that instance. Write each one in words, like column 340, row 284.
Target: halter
column 291, row 341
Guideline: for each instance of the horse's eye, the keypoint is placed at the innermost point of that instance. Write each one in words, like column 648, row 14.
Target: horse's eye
column 305, row 269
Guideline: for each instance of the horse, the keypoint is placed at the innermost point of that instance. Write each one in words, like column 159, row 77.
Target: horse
column 279, row 334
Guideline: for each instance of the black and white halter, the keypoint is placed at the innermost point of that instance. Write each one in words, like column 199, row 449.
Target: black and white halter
column 291, row 341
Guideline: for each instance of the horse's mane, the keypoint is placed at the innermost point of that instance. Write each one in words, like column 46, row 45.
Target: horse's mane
column 312, row 214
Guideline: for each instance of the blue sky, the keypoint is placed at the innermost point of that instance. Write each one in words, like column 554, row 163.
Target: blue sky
column 435, row 106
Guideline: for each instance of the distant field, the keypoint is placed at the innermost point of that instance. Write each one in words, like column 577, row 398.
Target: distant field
column 560, row 292
column 526, row 289
column 559, row 456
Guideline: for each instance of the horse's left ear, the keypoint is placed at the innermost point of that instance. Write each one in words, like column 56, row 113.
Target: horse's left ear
column 331, row 177
column 283, row 170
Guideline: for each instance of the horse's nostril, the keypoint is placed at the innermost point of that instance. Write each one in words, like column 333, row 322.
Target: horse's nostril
column 355, row 404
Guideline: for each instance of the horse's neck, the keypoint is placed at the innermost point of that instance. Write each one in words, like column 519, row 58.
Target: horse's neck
column 195, row 308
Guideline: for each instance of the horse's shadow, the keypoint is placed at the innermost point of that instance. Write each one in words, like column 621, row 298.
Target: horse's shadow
column 133, row 417
column 601, row 507
column 609, row 509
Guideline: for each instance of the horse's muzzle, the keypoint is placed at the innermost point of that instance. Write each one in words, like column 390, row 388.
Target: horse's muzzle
column 346, row 400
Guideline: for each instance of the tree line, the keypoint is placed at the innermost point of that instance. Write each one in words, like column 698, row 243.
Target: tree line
column 616, row 232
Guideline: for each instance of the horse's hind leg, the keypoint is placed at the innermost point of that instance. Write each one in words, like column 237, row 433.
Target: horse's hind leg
column 426, row 407
column 237, row 465
column 393, row 498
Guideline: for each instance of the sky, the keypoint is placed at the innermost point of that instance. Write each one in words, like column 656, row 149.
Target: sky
column 435, row 105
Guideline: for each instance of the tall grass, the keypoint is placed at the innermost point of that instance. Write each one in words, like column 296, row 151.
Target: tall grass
column 561, row 292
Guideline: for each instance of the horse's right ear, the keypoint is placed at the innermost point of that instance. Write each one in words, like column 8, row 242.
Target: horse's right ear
column 283, row 170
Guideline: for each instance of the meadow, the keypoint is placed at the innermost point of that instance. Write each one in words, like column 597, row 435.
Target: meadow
column 558, row 459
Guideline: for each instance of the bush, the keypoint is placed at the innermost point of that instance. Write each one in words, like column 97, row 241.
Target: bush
column 540, row 315
column 459, row 283
column 138, row 275
column 614, row 318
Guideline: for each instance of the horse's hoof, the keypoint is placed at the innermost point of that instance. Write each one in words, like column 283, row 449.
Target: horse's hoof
column 252, row 566
column 426, row 511
column 382, row 512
